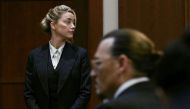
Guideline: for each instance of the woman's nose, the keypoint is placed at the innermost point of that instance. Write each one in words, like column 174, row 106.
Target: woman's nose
column 72, row 25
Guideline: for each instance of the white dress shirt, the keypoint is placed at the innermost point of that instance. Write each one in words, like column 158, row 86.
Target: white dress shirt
column 128, row 84
column 55, row 54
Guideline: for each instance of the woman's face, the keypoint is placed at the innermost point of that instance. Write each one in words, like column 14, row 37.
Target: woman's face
column 65, row 26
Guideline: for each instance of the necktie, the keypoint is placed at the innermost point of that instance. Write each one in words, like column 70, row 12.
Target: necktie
column 55, row 58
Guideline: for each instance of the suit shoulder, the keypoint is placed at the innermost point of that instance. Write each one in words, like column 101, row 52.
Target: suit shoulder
column 79, row 49
column 82, row 50
column 36, row 50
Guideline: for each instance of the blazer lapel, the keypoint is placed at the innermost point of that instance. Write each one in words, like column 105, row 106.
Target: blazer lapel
column 42, row 67
column 65, row 65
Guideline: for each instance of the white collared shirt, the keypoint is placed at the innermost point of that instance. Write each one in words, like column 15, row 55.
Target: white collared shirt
column 129, row 83
column 55, row 54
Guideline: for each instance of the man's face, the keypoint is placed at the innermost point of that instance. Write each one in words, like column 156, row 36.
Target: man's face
column 104, row 68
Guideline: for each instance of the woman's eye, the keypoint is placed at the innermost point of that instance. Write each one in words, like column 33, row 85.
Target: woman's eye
column 67, row 22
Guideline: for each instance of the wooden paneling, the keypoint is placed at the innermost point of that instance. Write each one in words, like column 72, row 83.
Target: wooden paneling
column 187, row 12
column 81, row 36
column 12, row 96
column 162, row 20
column 95, row 24
column 95, row 33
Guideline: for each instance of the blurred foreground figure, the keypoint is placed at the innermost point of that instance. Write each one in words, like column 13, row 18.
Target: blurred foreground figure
column 173, row 74
column 121, row 65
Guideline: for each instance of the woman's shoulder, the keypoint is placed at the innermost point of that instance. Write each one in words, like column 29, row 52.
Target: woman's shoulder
column 81, row 52
column 37, row 50
column 79, row 49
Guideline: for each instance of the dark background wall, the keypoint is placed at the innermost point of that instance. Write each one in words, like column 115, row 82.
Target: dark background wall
column 162, row 20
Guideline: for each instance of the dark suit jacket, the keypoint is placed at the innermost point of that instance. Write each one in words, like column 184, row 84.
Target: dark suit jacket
column 73, row 83
column 139, row 96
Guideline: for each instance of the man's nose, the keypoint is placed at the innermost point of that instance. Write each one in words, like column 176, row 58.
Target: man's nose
column 92, row 73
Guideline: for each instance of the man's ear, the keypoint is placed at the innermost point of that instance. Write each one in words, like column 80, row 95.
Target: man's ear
column 52, row 24
column 123, row 62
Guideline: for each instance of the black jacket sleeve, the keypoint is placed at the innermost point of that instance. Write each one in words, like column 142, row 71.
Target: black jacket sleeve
column 28, row 90
column 85, row 84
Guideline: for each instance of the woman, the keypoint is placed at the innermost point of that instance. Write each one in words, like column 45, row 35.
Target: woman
column 57, row 74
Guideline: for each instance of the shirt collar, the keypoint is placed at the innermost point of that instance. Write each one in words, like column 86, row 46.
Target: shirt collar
column 128, row 84
column 53, row 49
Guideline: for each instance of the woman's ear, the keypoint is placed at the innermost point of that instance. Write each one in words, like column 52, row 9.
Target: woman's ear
column 52, row 25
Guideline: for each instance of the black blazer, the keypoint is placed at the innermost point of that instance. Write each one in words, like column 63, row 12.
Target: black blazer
column 139, row 96
column 73, row 81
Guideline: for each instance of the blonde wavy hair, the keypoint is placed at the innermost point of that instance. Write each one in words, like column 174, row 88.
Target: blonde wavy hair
column 53, row 15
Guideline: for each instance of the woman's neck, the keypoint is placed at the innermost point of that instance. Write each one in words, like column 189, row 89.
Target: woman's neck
column 57, row 41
